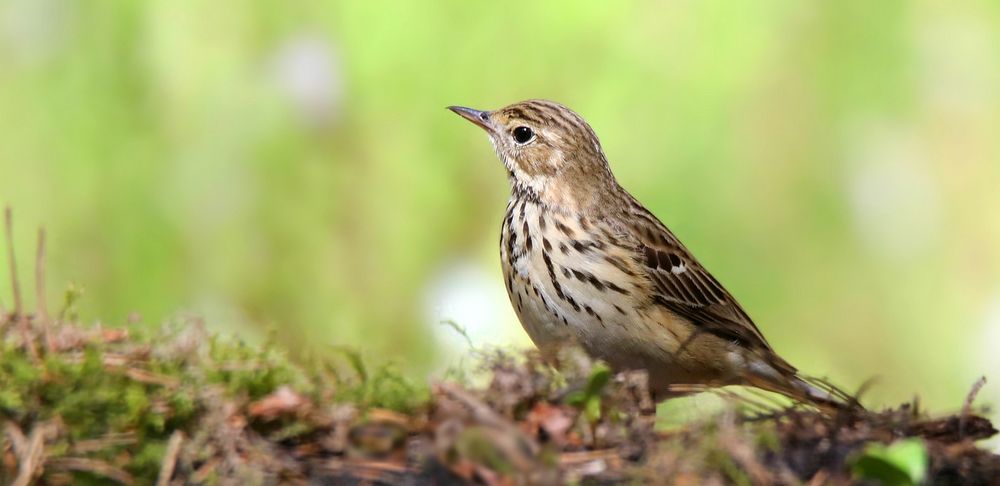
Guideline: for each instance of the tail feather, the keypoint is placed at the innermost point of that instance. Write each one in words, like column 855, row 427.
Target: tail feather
column 813, row 391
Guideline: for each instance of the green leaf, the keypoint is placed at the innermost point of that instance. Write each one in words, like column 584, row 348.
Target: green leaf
column 589, row 399
column 600, row 375
column 576, row 398
column 901, row 463
column 592, row 409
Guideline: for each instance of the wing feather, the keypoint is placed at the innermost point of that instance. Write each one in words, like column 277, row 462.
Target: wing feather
column 686, row 288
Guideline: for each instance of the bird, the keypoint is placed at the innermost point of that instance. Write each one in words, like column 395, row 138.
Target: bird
column 586, row 264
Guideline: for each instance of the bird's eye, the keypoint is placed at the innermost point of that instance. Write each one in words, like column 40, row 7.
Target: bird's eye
column 523, row 135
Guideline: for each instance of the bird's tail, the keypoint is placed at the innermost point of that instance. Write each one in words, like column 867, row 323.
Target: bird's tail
column 813, row 391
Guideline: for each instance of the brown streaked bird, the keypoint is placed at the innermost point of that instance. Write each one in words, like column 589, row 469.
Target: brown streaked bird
column 585, row 262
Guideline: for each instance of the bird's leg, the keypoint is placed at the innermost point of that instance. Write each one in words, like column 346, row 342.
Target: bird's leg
column 637, row 382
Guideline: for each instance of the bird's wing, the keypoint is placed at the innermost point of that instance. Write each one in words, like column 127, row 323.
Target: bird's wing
column 686, row 288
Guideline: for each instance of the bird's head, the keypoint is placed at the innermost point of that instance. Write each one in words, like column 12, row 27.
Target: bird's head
column 547, row 149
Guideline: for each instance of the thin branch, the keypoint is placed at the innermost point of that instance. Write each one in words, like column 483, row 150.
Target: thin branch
column 11, row 261
column 967, row 406
column 41, row 303
column 480, row 412
column 461, row 330
column 87, row 446
column 17, row 439
column 170, row 458
column 31, row 460
column 19, row 314
column 92, row 466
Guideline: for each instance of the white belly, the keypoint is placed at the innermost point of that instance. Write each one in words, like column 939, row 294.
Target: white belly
column 563, row 293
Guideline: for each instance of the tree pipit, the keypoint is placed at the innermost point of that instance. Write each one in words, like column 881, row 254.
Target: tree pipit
column 584, row 262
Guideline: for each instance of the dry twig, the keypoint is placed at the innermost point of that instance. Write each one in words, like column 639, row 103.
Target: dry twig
column 170, row 458
column 92, row 466
column 15, row 285
column 87, row 446
column 481, row 412
column 32, row 456
column 967, row 406
column 41, row 303
column 11, row 262
column 17, row 439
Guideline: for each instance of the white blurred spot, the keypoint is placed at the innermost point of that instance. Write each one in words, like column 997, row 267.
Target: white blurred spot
column 957, row 61
column 464, row 293
column 892, row 193
column 34, row 30
column 308, row 73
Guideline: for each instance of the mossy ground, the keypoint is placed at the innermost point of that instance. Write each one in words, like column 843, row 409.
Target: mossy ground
column 181, row 406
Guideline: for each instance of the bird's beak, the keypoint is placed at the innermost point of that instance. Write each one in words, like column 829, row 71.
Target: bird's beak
column 481, row 118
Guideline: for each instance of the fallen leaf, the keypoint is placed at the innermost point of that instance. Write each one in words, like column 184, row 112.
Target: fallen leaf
column 282, row 401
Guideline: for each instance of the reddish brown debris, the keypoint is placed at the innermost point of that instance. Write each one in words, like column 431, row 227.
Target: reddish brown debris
column 282, row 401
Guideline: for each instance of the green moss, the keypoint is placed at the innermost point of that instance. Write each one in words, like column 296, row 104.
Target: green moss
column 149, row 386
column 103, row 388
column 383, row 387
column 243, row 369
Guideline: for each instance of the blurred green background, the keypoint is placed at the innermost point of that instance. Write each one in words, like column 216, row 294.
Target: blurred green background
column 291, row 166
